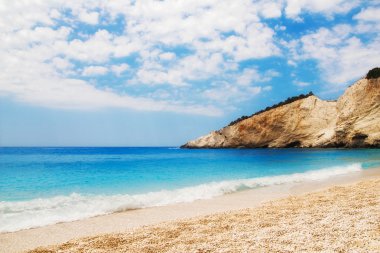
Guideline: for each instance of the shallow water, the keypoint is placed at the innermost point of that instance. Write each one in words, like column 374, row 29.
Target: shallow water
column 40, row 186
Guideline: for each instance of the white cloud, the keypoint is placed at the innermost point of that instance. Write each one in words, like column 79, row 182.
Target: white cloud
column 225, row 93
column 189, row 68
column 89, row 17
column 250, row 76
column 61, row 63
column 94, row 70
column 340, row 54
column 98, row 48
column 167, row 56
column 23, row 39
column 294, row 8
column 170, row 42
column 368, row 20
column 198, row 26
column 267, row 88
column 301, row 84
column 15, row 15
column 38, row 63
column 202, row 24
column 155, row 76
column 271, row 10
column 247, row 77
column 119, row 69
column 241, row 87
column 37, row 83
column 77, row 94
column 369, row 14
column 280, row 28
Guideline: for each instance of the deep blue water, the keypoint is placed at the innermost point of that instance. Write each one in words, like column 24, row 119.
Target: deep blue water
column 27, row 174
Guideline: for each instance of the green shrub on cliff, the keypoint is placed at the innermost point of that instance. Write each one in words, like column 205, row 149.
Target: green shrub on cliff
column 287, row 101
column 373, row 73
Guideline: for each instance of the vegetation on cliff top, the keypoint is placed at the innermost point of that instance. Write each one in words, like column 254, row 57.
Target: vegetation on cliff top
column 287, row 101
column 373, row 73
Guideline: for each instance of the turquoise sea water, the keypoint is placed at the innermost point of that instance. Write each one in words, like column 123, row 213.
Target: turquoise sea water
column 64, row 184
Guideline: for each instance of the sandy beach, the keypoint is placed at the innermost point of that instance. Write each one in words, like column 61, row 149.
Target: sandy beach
column 189, row 126
column 338, row 214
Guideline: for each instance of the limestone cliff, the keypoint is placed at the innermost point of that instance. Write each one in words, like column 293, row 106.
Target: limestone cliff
column 351, row 121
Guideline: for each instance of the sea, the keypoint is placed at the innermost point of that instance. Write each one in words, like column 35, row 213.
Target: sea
column 42, row 186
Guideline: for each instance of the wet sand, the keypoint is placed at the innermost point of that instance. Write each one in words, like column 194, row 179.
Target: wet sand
column 346, row 213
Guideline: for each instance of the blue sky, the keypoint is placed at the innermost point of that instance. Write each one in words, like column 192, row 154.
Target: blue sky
column 159, row 73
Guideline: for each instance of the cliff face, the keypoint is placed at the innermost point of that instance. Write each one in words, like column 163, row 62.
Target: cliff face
column 351, row 121
column 358, row 123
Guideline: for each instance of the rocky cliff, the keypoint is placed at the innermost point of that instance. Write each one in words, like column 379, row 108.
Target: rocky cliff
column 351, row 121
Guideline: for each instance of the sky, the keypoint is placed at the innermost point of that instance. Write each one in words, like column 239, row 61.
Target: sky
column 160, row 73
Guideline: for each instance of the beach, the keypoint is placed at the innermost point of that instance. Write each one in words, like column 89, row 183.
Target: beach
column 337, row 214
column 189, row 126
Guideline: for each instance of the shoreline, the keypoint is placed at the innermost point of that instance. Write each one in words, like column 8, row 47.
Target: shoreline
column 133, row 219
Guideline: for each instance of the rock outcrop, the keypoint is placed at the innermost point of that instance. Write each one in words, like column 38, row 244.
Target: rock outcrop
column 351, row 121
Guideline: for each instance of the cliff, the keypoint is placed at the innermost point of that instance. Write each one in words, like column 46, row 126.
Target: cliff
column 351, row 121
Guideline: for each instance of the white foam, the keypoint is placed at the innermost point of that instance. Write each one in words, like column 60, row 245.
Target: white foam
column 40, row 212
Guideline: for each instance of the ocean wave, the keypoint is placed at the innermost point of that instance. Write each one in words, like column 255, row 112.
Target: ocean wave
column 20, row 215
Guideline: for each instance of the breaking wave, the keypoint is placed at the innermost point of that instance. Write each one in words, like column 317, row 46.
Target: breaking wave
column 40, row 212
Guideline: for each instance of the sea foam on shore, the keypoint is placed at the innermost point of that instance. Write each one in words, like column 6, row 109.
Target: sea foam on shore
column 337, row 219
column 40, row 212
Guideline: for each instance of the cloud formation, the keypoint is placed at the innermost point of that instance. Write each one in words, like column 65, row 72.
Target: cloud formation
column 340, row 52
column 178, row 56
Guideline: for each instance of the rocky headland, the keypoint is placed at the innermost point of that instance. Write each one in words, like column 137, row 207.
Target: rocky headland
column 306, row 121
